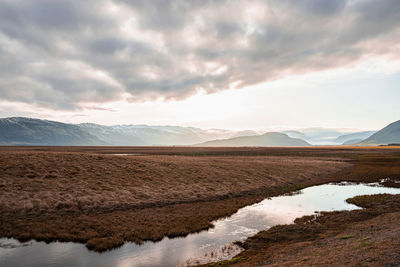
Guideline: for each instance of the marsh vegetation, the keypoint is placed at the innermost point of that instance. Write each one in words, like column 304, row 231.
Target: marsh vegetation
column 86, row 195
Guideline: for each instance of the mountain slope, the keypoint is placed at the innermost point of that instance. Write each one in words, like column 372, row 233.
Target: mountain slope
column 352, row 141
column 26, row 131
column 267, row 139
column 295, row 134
column 352, row 137
column 112, row 136
column 388, row 135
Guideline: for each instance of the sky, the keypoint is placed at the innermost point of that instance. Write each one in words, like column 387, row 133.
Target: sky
column 272, row 64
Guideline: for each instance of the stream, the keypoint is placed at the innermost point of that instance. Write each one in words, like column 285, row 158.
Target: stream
column 211, row 245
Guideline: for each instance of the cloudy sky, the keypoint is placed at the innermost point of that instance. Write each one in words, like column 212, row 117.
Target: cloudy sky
column 226, row 64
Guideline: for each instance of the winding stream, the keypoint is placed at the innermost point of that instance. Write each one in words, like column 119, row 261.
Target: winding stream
column 214, row 244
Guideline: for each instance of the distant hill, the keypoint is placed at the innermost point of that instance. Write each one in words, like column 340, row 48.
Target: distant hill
column 353, row 138
column 316, row 136
column 352, row 142
column 321, row 136
column 295, row 134
column 26, row 131
column 244, row 133
column 329, row 136
column 388, row 135
column 267, row 139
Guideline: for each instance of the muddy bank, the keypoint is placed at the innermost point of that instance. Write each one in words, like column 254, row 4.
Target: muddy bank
column 368, row 237
column 104, row 200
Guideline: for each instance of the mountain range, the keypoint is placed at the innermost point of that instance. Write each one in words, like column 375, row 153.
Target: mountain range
column 29, row 131
column 26, row 131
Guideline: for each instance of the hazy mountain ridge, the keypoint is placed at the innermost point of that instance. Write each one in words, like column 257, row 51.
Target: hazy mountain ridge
column 155, row 135
column 316, row 136
column 327, row 136
column 388, row 135
column 352, row 141
column 26, row 131
column 353, row 138
column 295, row 134
column 267, row 139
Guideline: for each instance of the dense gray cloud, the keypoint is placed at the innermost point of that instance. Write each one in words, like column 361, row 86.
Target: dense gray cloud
column 63, row 54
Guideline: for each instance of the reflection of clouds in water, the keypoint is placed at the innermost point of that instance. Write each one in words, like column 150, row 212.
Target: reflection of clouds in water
column 56, row 251
column 224, row 252
column 166, row 252
column 171, row 252
column 244, row 231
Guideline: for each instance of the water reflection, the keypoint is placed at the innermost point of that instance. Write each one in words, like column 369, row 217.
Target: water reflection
column 178, row 251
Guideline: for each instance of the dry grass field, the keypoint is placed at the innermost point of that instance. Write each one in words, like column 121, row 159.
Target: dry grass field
column 88, row 195
column 34, row 182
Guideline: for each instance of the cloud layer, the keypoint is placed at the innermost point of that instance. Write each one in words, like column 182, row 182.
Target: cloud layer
column 63, row 54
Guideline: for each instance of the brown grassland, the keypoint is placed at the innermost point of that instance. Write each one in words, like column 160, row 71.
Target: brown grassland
column 88, row 195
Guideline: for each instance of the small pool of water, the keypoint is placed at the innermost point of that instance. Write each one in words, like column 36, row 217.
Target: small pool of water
column 214, row 244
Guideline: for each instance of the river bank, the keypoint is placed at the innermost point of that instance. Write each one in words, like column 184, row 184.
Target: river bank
column 367, row 237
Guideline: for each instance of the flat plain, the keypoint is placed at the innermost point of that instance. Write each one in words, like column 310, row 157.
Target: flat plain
column 101, row 197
